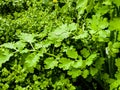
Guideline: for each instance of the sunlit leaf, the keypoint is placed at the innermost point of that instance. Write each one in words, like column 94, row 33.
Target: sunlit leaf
column 20, row 45
column 4, row 55
column 72, row 53
column 81, row 6
column 27, row 37
column 85, row 73
column 116, row 45
column 62, row 32
column 85, row 52
column 72, row 27
column 90, row 59
column 117, row 62
column 107, row 2
column 115, row 24
column 59, row 33
column 50, row 63
column 78, row 63
column 102, row 10
column 74, row 73
column 115, row 84
column 65, row 63
column 117, row 2
column 9, row 45
column 31, row 60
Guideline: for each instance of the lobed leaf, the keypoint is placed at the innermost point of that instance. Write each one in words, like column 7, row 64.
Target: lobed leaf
column 5, row 55
column 31, row 60
column 90, row 59
column 50, row 63
column 27, row 37
column 85, row 52
column 85, row 73
column 78, row 63
column 93, row 71
column 74, row 73
column 72, row 53
column 65, row 63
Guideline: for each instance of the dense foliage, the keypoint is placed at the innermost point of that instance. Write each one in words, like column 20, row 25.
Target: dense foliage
column 59, row 45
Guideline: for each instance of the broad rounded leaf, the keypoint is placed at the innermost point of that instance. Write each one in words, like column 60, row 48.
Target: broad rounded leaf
column 117, row 2
column 85, row 52
column 85, row 73
column 72, row 53
column 27, row 37
column 9, row 45
column 115, row 24
column 65, row 63
column 78, row 63
column 31, row 60
column 90, row 59
column 74, row 73
column 20, row 45
column 50, row 63
column 4, row 56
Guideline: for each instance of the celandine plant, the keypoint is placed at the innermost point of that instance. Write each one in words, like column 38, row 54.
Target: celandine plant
column 59, row 45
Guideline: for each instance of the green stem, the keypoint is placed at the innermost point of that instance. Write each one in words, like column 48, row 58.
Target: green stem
column 32, row 46
column 51, row 54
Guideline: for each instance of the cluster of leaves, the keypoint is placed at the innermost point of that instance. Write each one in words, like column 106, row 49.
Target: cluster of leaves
column 55, row 45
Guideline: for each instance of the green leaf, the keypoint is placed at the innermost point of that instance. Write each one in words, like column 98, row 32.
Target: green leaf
column 50, row 63
column 42, row 51
column 103, row 35
column 90, row 59
column 65, row 63
column 19, row 88
column 72, row 53
column 4, row 55
column 114, row 50
column 62, row 32
column 20, row 45
column 27, row 37
column 9, row 45
column 115, row 24
column 82, row 35
column 90, row 6
column 117, row 2
column 59, row 33
column 99, row 62
column 74, row 73
column 97, row 23
column 115, row 84
column 72, row 27
column 93, row 71
column 103, row 23
column 116, row 45
column 81, row 3
column 31, row 60
column 24, row 51
column 118, row 37
column 117, row 74
column 102, row 10
column 117, row 62
column 107, row 2
column 78, row 63
column 85, row 52
column 81, row 6
column 85, row 73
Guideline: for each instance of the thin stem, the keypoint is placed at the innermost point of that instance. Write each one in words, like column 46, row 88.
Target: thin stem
column 32, row 46
column 51, row 54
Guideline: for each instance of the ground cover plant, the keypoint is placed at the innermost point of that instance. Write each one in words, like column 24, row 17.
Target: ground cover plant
column 59, row 45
